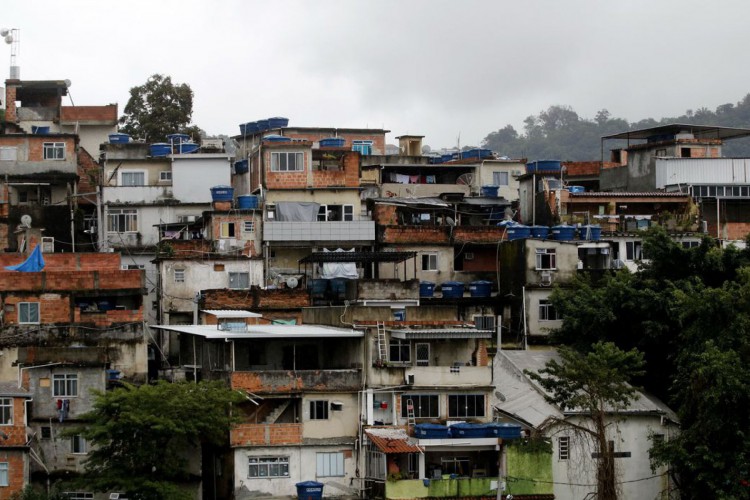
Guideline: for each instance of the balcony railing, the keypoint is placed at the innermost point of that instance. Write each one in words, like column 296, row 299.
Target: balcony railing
column 294, row 381
column 361, row 230
column 450, row 375
column 265, row 435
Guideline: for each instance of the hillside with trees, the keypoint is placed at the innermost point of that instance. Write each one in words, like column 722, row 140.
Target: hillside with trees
column 560, row 133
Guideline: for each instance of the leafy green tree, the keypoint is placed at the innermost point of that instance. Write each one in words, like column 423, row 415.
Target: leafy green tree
column 157, row 108
column 595, row 383
column 143, row 436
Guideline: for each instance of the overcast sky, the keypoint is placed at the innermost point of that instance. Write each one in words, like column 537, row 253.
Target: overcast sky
column 434, row 68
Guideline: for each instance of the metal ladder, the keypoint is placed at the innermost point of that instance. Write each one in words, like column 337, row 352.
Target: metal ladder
column 410, row 418
column 382, row 349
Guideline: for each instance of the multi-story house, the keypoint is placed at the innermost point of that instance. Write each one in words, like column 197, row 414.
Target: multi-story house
column 687, row 159
column 145, row 187
column 302, row 383
column 307, row 181
column 74, row 326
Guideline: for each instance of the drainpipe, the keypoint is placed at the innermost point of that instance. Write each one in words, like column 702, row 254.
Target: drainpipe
column 21, row 368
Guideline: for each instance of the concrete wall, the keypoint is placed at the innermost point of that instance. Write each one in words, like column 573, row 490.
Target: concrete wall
column 148, row 217
column 629, row 435
column 302, row 467
column 509, row 192
column 339, row 423
column 641, row 171
column 534, row 324
column 194, row 174
column 444, row 271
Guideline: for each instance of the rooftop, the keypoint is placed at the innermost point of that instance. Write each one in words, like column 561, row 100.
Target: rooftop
column 698, row 131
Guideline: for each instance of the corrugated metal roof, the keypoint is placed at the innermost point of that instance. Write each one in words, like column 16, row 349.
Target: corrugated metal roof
column 227, row 313
column 623, row 194
column 12, row 389
column 698, row 131
column 263, row 331
column 442, row 333
column 392, row 440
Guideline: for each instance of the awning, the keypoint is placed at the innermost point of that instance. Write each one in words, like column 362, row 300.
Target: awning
column 443, row 333
column 392, row 441
column 264, row 332
column 358, row 257
column 226, row 313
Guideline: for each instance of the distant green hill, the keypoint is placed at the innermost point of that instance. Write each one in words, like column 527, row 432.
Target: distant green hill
column 559, row 133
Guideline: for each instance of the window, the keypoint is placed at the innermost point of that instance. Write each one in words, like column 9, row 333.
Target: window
column 248, row 226
column 348, row 212
column 78, row 495
column 54, row 150
column 227, row 230
column 165, row 175
column 239, row 280
column 268, row 467
column 132, row 178
column 399, row 351
column 423, row 353
column 319, row 410
column 287, row 162
column 28, row 312
column 123, row 220
column 500, row 178
column 335, row 213
column 429, row 262
column 425, row 405
column 6, row 411
column 547, row 311
column 545, row 258
column 363, row 147
column 3, row 473
column 466, row 405
column 633, row 250
column 330, row 464
column 563, row 447
column 690, row 244
column 78, row 444
column 65, row 385
column 179, row 276
column 661, row 152
column 46, row 432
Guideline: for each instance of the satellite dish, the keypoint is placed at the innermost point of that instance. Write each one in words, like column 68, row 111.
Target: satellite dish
column 9, row 39
column 466, row 179
column 4, row 31
column 292, row 282
column 499, row 395
column 450, row 221
column 26, row 220
column 68, row 83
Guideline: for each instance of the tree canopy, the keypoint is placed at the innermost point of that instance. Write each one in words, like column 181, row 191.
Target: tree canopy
column 595, row 383
column 142, row 436
column 558, row 132
column 688, row 311
column 157, row 108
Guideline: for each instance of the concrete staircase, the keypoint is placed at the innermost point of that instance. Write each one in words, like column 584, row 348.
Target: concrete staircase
column 276, row 412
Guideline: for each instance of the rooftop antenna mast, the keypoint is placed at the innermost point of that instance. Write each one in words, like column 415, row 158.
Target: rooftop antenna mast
column 12, row 37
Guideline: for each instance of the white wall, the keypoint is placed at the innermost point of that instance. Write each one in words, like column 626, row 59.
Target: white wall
column 194, row 174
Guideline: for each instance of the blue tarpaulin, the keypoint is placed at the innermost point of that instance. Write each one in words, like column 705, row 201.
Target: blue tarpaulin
column 33, row 264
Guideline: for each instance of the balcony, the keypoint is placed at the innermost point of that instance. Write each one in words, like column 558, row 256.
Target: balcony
column 295, row 381
column 137, row 194
column 449, row 375
column 351, row 231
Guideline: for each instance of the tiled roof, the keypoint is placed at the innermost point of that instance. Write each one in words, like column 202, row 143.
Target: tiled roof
column 12, row 389
column 390, row 440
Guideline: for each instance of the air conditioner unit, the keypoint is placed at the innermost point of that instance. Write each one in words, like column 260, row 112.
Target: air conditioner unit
column 48, row 244
column 545, row 278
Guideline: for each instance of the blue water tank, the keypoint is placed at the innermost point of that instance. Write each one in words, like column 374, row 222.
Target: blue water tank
column 332, row 142
column 248, row 128
column 222, row 193
column 517, row 231
column 426, row 289
column 160, row 149
column 466, row 430
column 504, row 430
column 240, row 167
column 539, row 231
column 436, row 160
column 430, row 431
column 543, row 166
column 590, row 232
column 576, row 189
column 247, row 201
column 490, row 191
column 263, row 125
column 186, row 147
column 309, row 490
column 119, row 138
column 278, row 122
column 452, row 289
column 318, row 287
column 480, row 288
column 563, row 232
column 178, row 138
column 446, row 158
column 477, row 153
column 276, row 138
